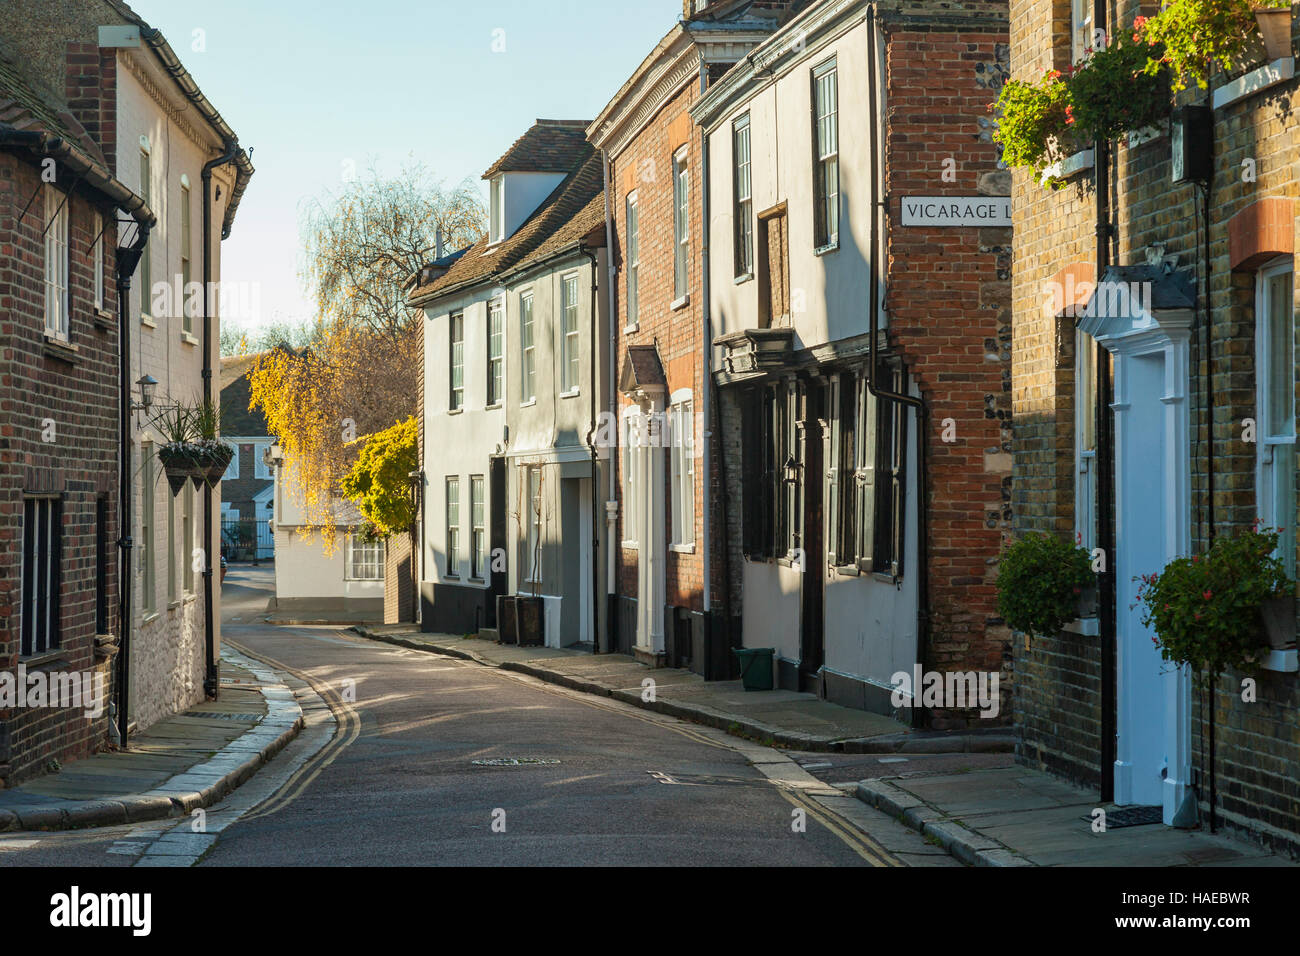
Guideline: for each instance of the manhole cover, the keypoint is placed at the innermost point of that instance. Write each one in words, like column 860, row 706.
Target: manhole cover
column 511, row 761
column 1131, row 817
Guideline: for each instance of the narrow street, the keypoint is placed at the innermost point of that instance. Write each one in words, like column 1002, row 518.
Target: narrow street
column 403, row 781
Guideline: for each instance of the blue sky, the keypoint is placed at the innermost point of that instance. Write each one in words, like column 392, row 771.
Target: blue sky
column 313, row 84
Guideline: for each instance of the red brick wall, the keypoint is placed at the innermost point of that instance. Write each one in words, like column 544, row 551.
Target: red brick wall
column 92, row 94
column 646, row 165
column 949, row 302
column 81, row 464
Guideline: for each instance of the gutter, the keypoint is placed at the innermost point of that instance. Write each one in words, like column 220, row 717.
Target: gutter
column 91, row 173
column 916, row 404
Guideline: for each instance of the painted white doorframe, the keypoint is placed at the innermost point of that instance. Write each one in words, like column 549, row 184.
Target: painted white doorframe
column 585, row 559
column 652, row 565
column 1153, row 526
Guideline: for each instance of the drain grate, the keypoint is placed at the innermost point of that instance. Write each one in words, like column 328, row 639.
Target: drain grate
column 207, row 716
column 1131, row 817
column 512, row 761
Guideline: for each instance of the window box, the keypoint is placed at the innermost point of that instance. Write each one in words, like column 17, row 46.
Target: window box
column 1270, row 74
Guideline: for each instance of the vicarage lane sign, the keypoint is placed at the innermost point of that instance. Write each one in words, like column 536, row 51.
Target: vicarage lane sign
column 956, row 211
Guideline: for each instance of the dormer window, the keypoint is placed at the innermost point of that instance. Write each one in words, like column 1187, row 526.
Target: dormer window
column 497, row 227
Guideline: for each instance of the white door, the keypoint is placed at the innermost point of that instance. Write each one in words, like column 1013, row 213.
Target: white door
column 1153, row 523
column 651, row 564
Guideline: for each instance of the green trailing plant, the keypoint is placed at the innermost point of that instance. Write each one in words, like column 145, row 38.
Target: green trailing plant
column 1034, row 122
column 1040, row 581
column 1112, row 92
column 1194, row 36
column 1205, row 609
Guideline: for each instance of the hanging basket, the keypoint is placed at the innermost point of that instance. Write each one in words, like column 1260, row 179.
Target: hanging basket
column 182, row 460
column 214, row 459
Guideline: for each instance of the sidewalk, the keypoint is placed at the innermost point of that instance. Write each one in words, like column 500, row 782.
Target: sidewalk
column 189, row 760
column 1016, row 816
column 781, row 717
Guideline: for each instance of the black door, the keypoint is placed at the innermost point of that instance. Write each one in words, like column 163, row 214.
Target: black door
column 812, row 635
column 497, row 532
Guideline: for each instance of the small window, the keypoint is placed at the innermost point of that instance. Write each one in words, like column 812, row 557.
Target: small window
column 633, row 260
column 533, row 524
column 232, row 470
column 632, row 449
column 497, row 212
column 187, row 322
column 260, row 468
column 56, row 264
column 496, row 361
column 1080, row 29
column 147, row 529
column 42, row 575
column 826, row 140
column 681, row 424
column 187, row 538
column 527, row 351
column 457, row 352
column 97, row 253
column 681, row 225
column 365, row 559
column 569, row 345
column 146, row 265
column 744, row 211
column 453, row 527
column 478, row 529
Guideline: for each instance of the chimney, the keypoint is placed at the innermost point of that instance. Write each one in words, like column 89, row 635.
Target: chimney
column 439, row 251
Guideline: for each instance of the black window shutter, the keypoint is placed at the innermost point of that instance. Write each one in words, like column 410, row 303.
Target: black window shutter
column 868, row 455
column 899, row 496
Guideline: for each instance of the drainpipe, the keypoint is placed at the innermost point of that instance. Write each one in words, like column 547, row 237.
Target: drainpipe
column 211, row 679
column 591, row 446
column 611, row 515
column 881, row 206
column 707, row 366
column 127, row 261
column 1105, row 475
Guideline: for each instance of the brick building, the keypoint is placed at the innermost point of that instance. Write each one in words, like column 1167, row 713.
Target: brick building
column 59, row 482
column 248, row 486
column 125, row 85
column 665, row 590
column 1096, row 703
column 864, row 502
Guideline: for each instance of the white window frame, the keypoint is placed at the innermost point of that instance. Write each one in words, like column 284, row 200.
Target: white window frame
column 456, row 361
column 148, row 529
column 146, row 258
column 364, row 559
column 57, row 298
column 569, row 334
column 533, row 557
column 681, row 225
column 1080, row 28
column 497, row 209
column 527, row 349
column 743, row 180
column 260, row 468
column 681, row 434
column 633, row 262
column 187, row 316
column 496, row 352
column 1085, row 458
column 232, row 470
column 1275, row 449
column 477, row 528
column 826, row 154
column 452, row 513
column 633, row 444
column 97, row 250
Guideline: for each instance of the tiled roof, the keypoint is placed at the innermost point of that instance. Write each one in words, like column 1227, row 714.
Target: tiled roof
column 573, row 210
column 26, row 109
column 641, row 369
column 236, row 417
column 548, row 147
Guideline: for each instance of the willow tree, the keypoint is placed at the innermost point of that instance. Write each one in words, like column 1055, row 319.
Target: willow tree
column 359, row 372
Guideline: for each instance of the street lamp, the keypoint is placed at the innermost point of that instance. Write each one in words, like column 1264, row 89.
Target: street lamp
column 148, row 384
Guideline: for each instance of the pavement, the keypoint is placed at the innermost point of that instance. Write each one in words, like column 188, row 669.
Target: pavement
column 1018, row 816
column 785, row 718
column 179, row 764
